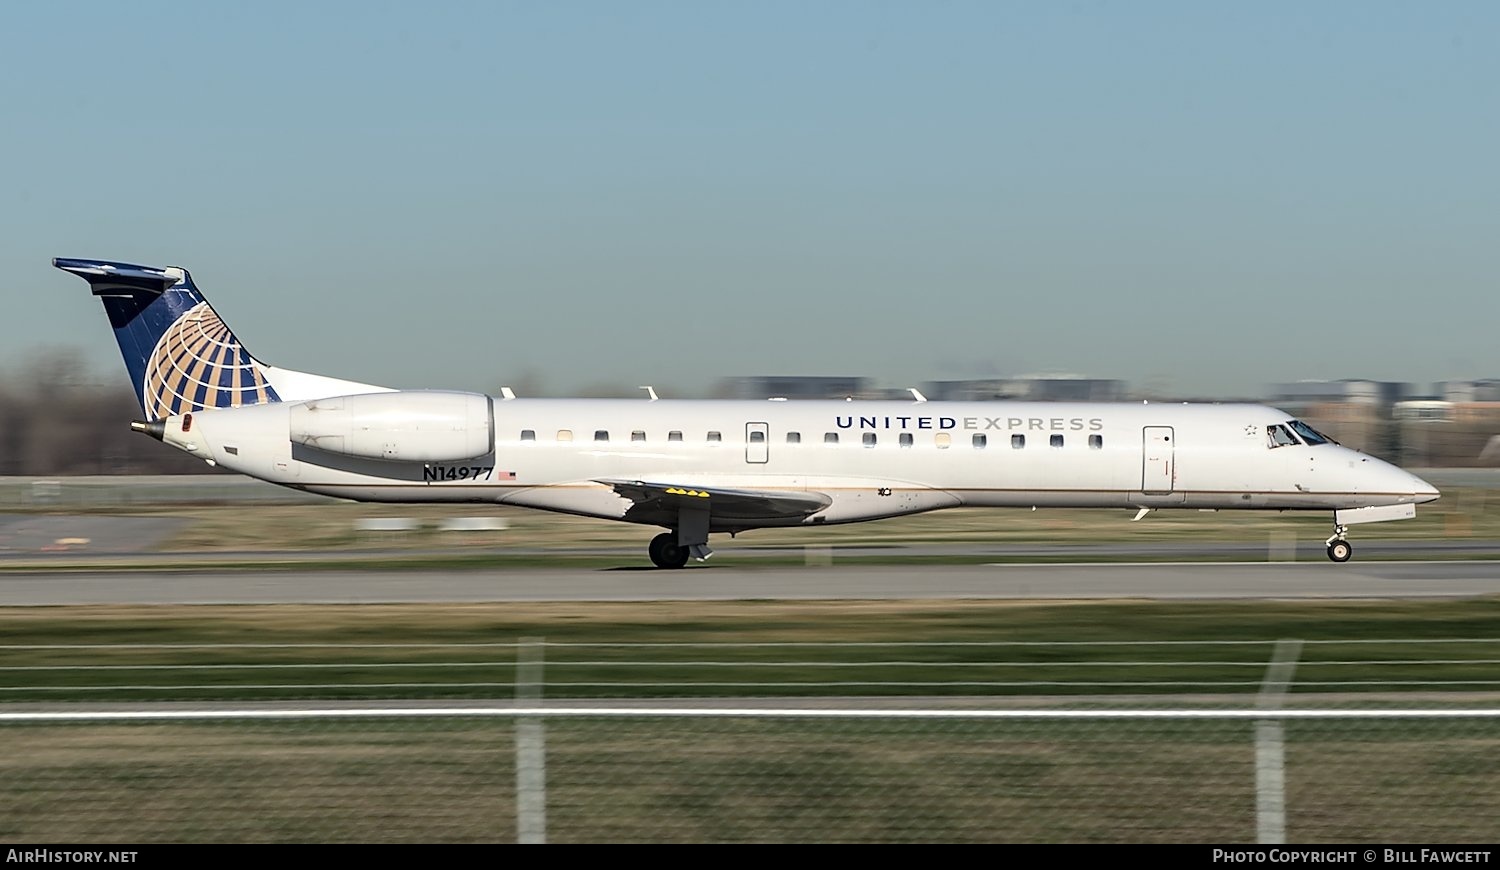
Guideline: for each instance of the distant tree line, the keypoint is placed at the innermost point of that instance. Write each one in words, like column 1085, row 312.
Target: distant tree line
column 59, row 418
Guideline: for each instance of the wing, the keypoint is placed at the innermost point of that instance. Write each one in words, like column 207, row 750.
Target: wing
column 667, row 500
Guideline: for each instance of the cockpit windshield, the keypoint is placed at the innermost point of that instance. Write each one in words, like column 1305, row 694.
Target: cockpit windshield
column 1278, row 436
column 1312, row 436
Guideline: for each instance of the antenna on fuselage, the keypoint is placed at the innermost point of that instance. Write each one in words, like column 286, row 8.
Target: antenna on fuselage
column 507, row 393
column 650, row 391
column 917, row 394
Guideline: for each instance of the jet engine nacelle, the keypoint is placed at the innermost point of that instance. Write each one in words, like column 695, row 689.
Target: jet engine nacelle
column 403, row 426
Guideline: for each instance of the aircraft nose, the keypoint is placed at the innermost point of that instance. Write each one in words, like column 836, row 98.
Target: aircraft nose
column 1397, row 482
column 1423, row 490
column 1403, row 482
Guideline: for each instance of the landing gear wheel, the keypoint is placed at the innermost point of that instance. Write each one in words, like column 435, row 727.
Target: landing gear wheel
column 1339, row 548
column 665, row 553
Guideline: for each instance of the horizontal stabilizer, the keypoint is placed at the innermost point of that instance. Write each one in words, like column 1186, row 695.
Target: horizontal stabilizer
column 103, row 275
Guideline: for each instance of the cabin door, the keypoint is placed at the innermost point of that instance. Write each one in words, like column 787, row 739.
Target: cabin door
column 1158, row 471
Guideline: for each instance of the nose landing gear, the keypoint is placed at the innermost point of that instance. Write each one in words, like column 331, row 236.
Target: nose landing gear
column 1339, row 548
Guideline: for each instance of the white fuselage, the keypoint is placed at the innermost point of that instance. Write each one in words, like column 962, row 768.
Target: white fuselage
column 870, row 459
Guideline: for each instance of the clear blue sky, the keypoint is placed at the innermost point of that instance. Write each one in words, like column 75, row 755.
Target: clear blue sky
column 1206, row 197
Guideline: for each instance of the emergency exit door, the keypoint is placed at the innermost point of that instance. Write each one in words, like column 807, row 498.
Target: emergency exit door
column 756, row 448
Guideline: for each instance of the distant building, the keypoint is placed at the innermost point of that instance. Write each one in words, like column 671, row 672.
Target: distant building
column 1357, row 413
column 1486, row 390
column 795, row 387
column 1354, row 392
column 1435, row 433
column 1423, row 411
column 1454, row 427
column 1029, row 389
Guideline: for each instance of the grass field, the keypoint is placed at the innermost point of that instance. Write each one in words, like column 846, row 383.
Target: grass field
column 743, row 649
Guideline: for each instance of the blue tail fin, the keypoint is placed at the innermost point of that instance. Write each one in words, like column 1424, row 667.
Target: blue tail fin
column 180, row 355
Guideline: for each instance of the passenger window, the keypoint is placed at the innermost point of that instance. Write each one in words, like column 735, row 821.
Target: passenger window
column 794, row 437
column 715, row 437
column 638, row 435
column 830, row 438
column 980, row 441
column 601, row 434
column 565, row 434
column 757, row 437
column 1017, row 442
column 674, row 435
column 942, row 440
column 1096, row 442
column 905, row 439
column 869, row 439
column 1057, row 441
column 528, row 434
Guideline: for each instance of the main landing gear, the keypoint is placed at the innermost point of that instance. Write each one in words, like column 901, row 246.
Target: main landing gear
column 1339, row 548
column 672, row 549
column 666, row 553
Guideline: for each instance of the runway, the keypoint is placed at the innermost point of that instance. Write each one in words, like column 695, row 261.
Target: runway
column 1160, row 581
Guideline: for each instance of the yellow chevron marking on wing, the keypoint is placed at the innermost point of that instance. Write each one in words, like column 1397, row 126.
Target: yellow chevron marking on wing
column 672, row 490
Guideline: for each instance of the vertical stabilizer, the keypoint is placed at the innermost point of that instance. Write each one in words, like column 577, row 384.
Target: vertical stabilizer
column 180, row 355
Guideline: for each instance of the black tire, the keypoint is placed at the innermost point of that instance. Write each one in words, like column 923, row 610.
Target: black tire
column 1340, row 551
column 665, row 553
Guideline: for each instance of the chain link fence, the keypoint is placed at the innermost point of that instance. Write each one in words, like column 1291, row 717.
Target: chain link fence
column 1201, row 741
column 745, row 775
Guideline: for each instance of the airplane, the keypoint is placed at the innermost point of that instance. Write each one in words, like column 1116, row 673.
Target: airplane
column 701, row 467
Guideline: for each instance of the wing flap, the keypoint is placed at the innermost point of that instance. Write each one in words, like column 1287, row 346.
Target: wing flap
column 722, row 503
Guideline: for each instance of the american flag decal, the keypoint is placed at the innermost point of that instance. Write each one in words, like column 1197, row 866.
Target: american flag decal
column 505, row 475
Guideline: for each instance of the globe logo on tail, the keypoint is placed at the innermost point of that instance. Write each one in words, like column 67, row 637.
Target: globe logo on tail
column 197, row 364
